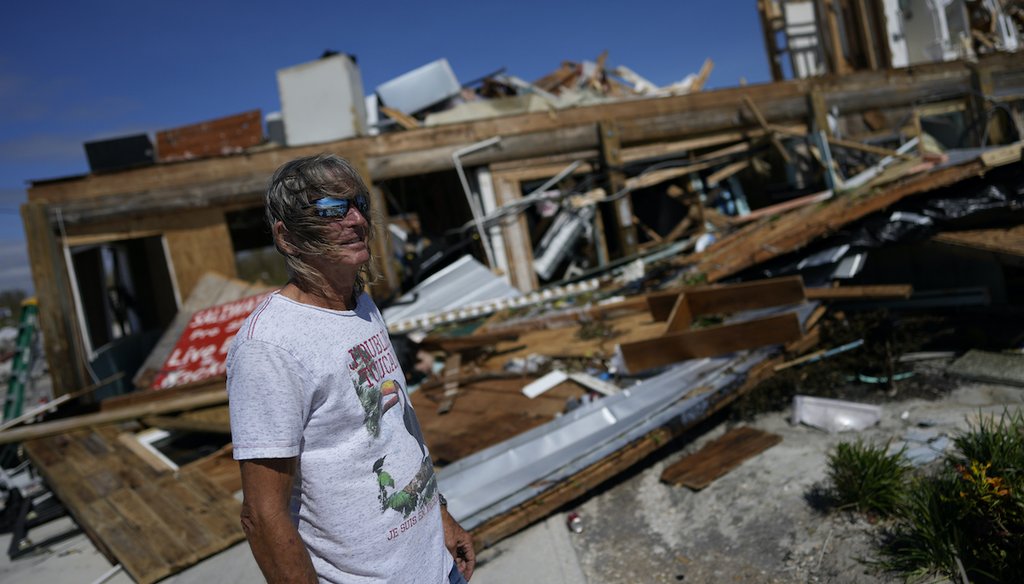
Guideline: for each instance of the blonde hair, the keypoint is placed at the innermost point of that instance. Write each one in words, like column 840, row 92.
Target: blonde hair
column 293, row 188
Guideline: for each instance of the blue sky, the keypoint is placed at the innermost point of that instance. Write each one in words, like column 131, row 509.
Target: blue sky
column 73, row 71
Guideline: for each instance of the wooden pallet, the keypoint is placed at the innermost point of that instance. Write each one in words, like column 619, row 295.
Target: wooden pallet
column 154, row 523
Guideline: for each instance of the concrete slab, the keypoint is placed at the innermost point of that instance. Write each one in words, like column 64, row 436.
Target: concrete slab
column 541, row 553
column 991, row 367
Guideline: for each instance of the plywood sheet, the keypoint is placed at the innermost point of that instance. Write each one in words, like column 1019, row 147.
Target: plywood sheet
column 719, row 457
column 151, row 522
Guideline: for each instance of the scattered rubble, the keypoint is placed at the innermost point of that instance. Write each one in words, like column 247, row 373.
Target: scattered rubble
column 654, row 256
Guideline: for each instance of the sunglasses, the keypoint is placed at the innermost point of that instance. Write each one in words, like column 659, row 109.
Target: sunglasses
column 335, row 208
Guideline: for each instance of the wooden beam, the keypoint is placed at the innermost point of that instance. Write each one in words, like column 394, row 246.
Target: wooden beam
column 768, row 30
column 677, row 147
column 187, row 424
column 406, row 121
column 763, row 122
column 379, row 244
column 209, row 398
column 868, row 43
column 819, row 111
column 429, row 149
column 516, row 234
column 702, row 75
column 622, row 208
column 725, row 172
column 885, row 291
column 728, row 298
column 710, row 342
column 834, row 44
column 57, row 311
column 869, row 148
column 643, row 181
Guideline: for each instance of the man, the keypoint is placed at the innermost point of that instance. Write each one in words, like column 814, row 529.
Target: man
column 338, row 485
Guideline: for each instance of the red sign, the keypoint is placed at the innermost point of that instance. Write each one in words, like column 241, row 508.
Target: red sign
column 202, row 349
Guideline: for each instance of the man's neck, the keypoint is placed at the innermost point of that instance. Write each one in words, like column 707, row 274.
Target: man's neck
column 334, row 298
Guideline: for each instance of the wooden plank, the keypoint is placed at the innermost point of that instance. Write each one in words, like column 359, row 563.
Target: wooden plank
column 131, row 442
column 710, row 342
column 725, row 172
column 220, row 467
column 150, row 531
column 719, row 457
column 681, row 317
column 704, row 300
column 380, row 243
column 207, row 398
column 53, row 290
column 475, row 341
column 405, row 120
column 1006, row 241
column 883, row 291
column 763, row 122
column 1000, row 156
column 516, row 234
column 187, row 424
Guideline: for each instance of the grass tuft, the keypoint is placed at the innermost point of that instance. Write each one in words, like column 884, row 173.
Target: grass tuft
column 865, row 478
column 965, row 521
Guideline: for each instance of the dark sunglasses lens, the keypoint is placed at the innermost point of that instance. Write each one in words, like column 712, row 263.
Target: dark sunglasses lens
column 332, row 208
column 363, row 204
column 338, row 208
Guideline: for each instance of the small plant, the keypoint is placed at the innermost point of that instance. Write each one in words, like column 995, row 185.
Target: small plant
column 867, row 479
column 967, row 521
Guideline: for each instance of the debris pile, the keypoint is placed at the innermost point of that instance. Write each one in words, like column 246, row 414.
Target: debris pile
column 615, row 263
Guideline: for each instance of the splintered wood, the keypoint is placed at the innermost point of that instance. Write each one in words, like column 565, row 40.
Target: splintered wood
column 719, row 457
column 154, row 523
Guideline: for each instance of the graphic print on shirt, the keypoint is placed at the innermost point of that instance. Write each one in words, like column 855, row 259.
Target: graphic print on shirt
column 372, row 360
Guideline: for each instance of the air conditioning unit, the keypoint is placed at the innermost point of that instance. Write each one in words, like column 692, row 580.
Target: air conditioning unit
column 322, row 101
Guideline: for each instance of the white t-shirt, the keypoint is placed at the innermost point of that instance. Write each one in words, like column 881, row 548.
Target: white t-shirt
column 325, row 386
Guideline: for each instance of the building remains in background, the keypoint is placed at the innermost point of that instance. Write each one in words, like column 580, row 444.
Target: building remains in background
column 614, row 234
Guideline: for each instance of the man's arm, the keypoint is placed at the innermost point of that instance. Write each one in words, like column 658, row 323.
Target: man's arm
column 275, row 543
column 459, row 544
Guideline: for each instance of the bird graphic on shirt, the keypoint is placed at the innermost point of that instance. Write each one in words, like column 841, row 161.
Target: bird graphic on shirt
column 412, row 425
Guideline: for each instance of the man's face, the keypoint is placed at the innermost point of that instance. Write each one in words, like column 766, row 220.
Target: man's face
column 349, row 234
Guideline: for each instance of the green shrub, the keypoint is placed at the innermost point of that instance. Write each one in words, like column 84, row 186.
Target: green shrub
column 968, row 520
column 867, row 479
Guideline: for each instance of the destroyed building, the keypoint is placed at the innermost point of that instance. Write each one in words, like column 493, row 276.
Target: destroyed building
column 567, row 187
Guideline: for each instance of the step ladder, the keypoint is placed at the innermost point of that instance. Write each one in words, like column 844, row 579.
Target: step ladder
column 24, row 358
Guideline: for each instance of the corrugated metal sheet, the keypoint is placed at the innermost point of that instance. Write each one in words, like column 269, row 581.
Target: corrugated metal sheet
column 463, row 283
column 497, row 479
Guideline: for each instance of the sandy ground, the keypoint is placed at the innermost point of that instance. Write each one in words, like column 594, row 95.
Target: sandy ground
column 753, row 525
